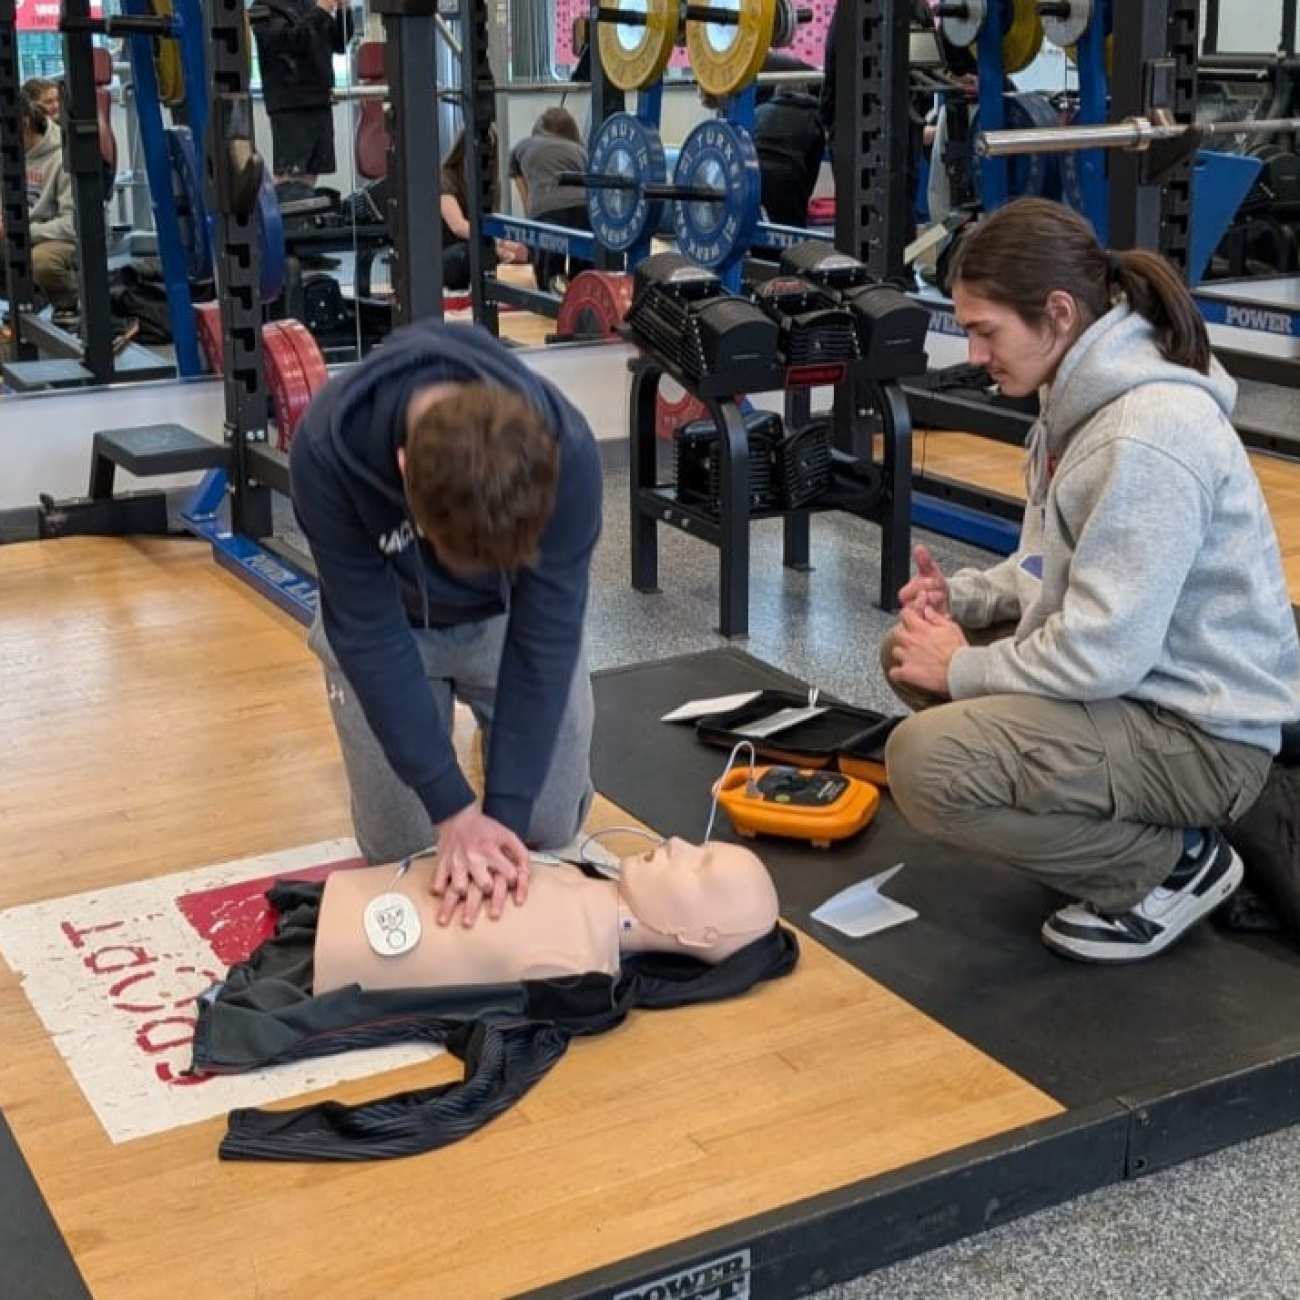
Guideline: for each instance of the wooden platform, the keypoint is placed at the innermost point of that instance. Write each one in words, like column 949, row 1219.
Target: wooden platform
column 157, row 715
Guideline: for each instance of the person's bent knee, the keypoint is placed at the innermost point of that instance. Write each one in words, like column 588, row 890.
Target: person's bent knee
column 556, row 826
column 919, row 758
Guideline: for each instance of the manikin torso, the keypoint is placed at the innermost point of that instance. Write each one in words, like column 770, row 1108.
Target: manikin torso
column 569, row 924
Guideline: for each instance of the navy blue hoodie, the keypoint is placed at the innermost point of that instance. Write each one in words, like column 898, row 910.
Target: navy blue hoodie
column 378, row 579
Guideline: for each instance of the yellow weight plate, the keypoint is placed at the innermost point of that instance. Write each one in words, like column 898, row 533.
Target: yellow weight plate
column 167, row 60
column 727, row 55
column 1023, row 37
column 634, row 55
column 1072, row 54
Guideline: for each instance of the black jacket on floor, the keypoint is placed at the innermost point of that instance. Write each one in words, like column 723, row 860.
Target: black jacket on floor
column 507, row 1035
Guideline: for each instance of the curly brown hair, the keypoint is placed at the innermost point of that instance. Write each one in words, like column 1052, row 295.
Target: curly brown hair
column 481, row 471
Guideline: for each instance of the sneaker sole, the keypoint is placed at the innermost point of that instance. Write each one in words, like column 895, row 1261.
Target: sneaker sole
column 1112, row 954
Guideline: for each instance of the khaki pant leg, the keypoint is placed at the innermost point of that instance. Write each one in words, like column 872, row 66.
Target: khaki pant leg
column 1091, row 799
column 54, row 268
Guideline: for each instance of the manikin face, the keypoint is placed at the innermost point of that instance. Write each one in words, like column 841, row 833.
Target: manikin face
column 1019, row 356
column 709, row 896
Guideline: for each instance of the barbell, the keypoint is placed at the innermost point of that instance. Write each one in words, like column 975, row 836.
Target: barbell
column 716, row 189
column 636, row 39
column 1133, row 133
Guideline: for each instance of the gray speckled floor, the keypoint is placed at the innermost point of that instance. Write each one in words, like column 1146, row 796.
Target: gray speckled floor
column 1220, row 1228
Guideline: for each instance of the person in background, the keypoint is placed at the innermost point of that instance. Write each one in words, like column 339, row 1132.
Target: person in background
column 791, row 143
column 47, row 94
column 536, row 162
column 454, row 207
column 51, row 217
column 1097, row 704
column 296, row 44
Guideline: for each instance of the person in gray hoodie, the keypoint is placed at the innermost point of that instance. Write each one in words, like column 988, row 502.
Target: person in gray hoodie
column 1095, row 705
column 50, row 215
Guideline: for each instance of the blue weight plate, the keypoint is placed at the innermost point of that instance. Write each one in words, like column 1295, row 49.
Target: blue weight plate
column 718, row 155
column 187, row 197
column 630, row 151
column 271, row 224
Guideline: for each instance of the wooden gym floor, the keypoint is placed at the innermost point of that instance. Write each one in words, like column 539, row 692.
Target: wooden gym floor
column 160, row 716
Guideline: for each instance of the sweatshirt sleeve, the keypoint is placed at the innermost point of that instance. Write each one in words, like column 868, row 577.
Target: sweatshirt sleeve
column 548, row 608
column 366, row 625
column 61, row 222
column 1137, row 515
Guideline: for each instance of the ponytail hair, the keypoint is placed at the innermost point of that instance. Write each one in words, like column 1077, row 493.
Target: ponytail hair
column 1029, row 248
column 1155, row 290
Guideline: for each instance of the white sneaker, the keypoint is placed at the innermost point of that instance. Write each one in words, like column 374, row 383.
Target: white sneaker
column 1083, row 932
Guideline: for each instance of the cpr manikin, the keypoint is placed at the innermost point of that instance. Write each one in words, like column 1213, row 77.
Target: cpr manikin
column 377, row 928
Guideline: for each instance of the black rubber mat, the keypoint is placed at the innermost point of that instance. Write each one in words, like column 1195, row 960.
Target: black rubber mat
column 34, row 1261
column 1218, row 1004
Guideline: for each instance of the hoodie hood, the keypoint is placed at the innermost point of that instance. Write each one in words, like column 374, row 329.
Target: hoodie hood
column 374, row 397
column 1113, row 356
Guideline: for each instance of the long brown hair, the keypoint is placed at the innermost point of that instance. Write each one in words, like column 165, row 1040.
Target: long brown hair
column 1029, row 248
column 451, row 177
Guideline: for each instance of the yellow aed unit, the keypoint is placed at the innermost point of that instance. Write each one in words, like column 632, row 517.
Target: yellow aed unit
column 798, row 803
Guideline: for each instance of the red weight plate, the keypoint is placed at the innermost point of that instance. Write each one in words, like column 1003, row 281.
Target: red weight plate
column 309, row 354
column 286, row 382
column 207, row 322
column 595, row 304
column 671, row 412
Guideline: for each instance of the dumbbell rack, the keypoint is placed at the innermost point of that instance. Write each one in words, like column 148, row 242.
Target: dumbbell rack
column 878, row 491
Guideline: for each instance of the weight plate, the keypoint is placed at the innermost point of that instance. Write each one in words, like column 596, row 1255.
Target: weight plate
column 285, row 381
column 595, row 304
column 727, row 55
column 1072, row 54
column 718, row 155
column 1023, row 37
column 270, row 226
column 207, row 321
column 964, row 29
column 1065, row 29
column 635, row 54
column 187, row 198
column 674, row 407
column 167, row 63
column 628, row 149
column 787, row 24
column 310, row 359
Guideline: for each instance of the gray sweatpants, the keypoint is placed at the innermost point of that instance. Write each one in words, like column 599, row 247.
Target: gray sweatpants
column 460, row 663
column 1090, row 798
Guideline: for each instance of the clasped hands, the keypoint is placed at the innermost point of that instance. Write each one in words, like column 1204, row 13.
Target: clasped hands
column 927, row 636
column 480, row 862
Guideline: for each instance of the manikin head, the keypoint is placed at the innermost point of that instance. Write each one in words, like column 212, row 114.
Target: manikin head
column 707, row 900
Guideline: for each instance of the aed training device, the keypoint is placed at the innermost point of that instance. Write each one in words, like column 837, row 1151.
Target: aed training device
column 798, row 803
